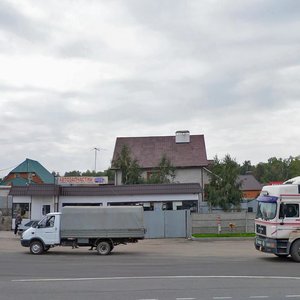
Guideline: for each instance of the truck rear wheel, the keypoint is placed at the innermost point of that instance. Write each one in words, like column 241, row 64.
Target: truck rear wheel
column 36, row 247
column 295, row 251
column 104, row 248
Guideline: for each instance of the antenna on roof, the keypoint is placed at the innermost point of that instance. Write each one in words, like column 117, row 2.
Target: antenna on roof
column 96, row 150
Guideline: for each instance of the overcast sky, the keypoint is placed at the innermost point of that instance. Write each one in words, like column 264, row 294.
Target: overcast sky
column 75, row 75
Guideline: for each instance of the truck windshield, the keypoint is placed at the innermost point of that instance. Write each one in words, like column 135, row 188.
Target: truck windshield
column 47, row 221
column 266, row 210
column 42, row 222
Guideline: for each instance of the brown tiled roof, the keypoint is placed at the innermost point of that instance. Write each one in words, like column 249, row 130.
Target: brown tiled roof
column 106, row 190
column 249, row 183
column 148, row 151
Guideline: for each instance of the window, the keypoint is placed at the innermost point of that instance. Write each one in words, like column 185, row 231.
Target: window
column 292, row 211
column 81, row 204
column 50, row 222
column 45, row 209
column 266, row 210
column 47, row 222
column 21, row 208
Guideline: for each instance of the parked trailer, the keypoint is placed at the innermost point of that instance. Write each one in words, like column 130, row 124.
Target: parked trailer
column 277, row 223
column 86, row 226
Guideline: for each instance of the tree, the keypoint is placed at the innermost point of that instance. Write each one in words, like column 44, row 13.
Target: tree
column 294, row 167
column 130, row 169
column 274, row 170
column 224, row 188
column 246, row 167
column 259, row 172
column 73, row 173
column 109, row 173
column 164, row 173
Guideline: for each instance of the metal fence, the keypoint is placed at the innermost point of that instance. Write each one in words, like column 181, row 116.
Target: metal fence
column 167, row 223
column 223, row 222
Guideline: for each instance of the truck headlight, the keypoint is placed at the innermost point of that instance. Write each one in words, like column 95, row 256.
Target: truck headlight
column 271, row 244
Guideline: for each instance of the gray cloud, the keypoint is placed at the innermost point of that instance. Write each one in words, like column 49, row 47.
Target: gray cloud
column 267, row 11
column 15, row 22
column 229, row 71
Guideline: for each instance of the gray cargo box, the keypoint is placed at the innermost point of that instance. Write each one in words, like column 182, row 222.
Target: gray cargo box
column 98, row 221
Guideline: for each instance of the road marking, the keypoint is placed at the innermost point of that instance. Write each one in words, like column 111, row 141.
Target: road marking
column 185, row 298
column 258, row 297
column 153, row 277
column 222, row 298
column 292, row 296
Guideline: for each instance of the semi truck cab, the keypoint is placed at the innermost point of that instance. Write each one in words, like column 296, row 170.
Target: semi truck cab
column 277, row 223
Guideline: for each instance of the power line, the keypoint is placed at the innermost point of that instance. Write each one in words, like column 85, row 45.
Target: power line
column 8, row 168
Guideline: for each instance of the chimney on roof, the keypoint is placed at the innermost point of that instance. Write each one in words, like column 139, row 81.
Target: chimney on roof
column 182, row 137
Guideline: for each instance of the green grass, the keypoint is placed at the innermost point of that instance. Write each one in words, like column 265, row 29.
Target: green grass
column 216, row 235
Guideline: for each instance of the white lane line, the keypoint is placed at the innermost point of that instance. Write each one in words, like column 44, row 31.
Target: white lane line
column 258, row 297
column 292, row 296
column 153, row 277
column 185, row 298
column 219, row 298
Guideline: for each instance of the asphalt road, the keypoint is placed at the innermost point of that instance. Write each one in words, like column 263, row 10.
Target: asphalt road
column 176, row 269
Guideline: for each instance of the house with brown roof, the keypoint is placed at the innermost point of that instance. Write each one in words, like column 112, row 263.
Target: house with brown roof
column 186, row 152
column 250, row 187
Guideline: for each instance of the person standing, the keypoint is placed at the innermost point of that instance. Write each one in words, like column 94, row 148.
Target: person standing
column 18, row 221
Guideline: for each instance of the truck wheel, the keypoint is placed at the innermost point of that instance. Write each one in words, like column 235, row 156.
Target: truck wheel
column 104, row 248
column 36, row 247
column 295, row 251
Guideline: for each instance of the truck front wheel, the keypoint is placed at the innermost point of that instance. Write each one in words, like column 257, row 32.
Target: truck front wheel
column 104, row 248
column 36, row 247
column 295, row 251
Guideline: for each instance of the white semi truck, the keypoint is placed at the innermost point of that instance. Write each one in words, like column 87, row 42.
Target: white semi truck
column 277, row 223
column 93, row 226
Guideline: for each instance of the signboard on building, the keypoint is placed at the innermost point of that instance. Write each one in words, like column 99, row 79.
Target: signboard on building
column 82, row 180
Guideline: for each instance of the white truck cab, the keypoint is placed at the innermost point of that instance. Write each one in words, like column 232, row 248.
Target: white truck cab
column 45, row 234
column 277, row 223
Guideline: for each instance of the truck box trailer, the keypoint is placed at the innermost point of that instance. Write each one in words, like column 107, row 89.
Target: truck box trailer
column 93, row 226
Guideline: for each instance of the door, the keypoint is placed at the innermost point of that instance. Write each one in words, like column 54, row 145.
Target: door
column 48, row 230
column 290, row 220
